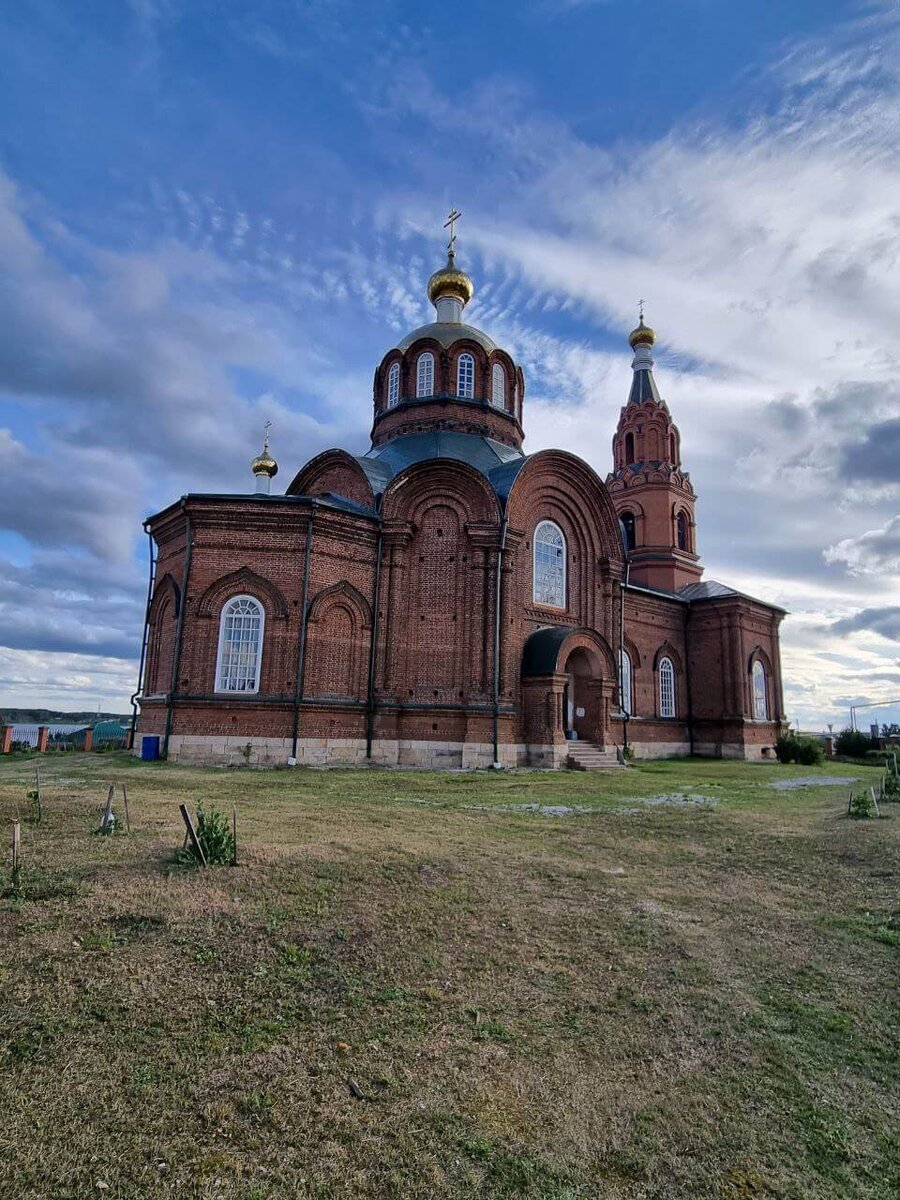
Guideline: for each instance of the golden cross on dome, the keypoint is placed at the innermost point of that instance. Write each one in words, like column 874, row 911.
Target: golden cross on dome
column 266, row 436
column 450, row 224
column 641, row 309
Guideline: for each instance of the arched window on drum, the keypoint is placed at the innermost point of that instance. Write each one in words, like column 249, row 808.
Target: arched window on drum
column 425, row 374
column 465, row 376
column 498, row 386
column 549, row 581
column 393, row 388
column 240, row 645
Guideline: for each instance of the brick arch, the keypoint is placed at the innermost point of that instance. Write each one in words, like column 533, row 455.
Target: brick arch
column 597, row 649
column 467, row 346
column 633, row 653
column 333, row 471
column 667, row 650
column 345, row 593
column 758, row 655
column 166, row 588
column 237, row 583
column 454, row 483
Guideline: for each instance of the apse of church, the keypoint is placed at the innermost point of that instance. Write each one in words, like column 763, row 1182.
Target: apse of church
column 447, row 599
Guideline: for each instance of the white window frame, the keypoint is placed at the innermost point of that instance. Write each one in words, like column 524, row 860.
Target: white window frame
column 465, row 376
column 538, row 571
column 425, row 374
column 498, row 386
column 626, row 685
column 225, row 682
column 667, row 701
column 759, row 675
column 393, row 388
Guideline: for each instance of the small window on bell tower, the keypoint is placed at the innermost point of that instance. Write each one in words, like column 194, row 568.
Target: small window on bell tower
column 629, row 448
column 683, row 532
column 628, row 529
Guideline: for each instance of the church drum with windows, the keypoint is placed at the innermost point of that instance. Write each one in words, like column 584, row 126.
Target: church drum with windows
column 446, row 600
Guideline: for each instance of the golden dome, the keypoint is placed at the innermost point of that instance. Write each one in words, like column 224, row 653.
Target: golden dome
column 264, row 464
column 450, row 281
column 642, row 336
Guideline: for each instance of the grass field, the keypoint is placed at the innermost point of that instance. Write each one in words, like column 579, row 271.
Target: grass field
column 415, row 985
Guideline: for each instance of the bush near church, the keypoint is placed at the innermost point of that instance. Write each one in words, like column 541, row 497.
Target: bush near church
column 792, row 749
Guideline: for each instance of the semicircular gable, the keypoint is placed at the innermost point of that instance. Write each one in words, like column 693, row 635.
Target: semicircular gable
column 237, row 583
column 555, row 480
column 333, row 471
column 440, row 479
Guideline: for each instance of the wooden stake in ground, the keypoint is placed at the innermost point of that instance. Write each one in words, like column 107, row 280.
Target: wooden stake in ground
column 37, row 788
column 234, row 862
column 125, row 806
column 192, row 834
column 16, row 853
column 108, row 821
column 874, row 801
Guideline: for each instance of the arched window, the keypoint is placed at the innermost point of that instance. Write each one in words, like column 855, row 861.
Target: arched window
column 629, row 448
column 465, row 376
column 625, row 686
column 425, row 374
column 760, row 692
column 498, row 386
column 549, row 585
column 673, row 457
column 666, row 688
column 240, row 645
column 683, row 531
column 393, row 391
column 627, row 520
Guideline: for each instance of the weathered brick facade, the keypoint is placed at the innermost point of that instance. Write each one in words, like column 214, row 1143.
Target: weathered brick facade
column 394, row 593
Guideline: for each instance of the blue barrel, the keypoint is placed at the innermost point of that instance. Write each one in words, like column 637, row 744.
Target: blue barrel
column 149, row 748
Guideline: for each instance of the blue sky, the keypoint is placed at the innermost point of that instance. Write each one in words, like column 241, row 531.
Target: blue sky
column 213, row 213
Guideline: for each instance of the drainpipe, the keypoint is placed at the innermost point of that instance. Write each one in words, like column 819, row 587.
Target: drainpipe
column 497, row 615
column 301, row 644
column 179, row 630
column 687, row 679
column 623, row 584
column 151, row 578
column 373, row 645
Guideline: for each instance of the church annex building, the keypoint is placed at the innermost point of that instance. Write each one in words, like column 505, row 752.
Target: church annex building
column 446, row 600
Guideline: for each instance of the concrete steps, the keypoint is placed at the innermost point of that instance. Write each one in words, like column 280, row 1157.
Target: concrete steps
column 584, row 756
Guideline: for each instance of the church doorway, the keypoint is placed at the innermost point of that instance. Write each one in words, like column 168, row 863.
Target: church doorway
column 578, row 697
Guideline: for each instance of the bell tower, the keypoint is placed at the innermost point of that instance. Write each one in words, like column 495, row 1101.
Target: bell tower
column 652, row 494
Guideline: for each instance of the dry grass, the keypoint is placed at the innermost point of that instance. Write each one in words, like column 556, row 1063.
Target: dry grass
column 633, row 1001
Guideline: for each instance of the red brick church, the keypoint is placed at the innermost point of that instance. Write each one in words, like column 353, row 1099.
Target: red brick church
column 446, row 599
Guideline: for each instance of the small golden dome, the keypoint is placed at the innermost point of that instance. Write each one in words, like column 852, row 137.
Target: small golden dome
column 450, row 281
column 264, row 464
column 642, row 336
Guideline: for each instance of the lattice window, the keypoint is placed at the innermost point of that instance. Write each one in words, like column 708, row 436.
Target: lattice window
column 666, row 688
column 425, row 374
column 240, row 645
column 498, row 386
column 465, row 376
column 760, row 692
column 549, row 565
column 393, row 390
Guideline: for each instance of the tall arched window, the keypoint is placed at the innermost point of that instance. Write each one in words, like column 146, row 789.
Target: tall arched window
column 666, row 688
column 425, row 374
column 240, row 645
column 393, row 391
column 625, row 685
column 673, row 456
column 549, row 584
column 465, row 376
column 627, row 520
column 683, row 531
column 498, row 386
column 629, row 448
column 760, row 692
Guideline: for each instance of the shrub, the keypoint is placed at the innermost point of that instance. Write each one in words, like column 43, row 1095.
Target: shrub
column 861, row 805
column 792, row 749
column 215, row 837
column 853, row 743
